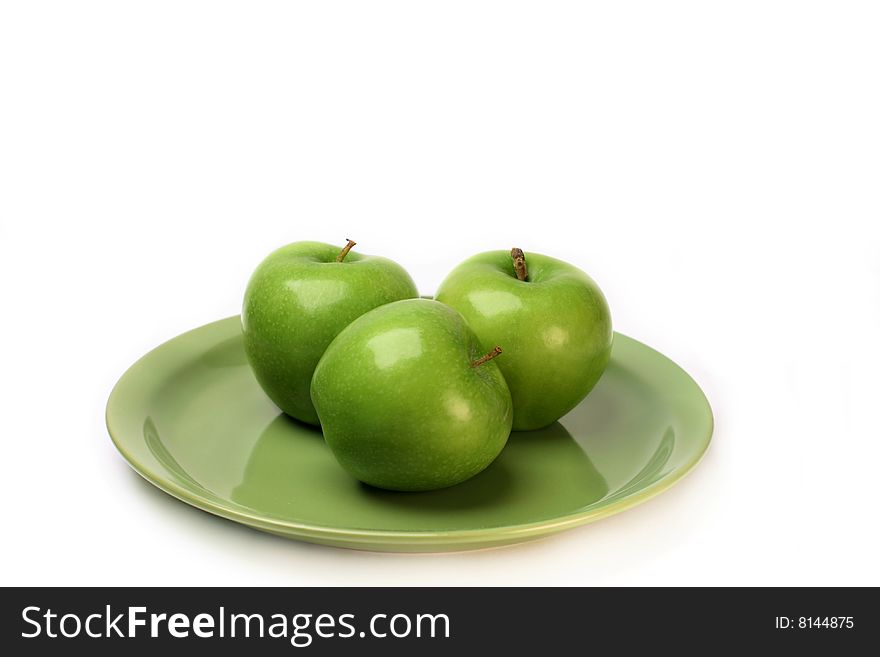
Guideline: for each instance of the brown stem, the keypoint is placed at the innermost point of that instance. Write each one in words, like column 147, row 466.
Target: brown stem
column 519, row 263
column 345, row 250
column 489, row 356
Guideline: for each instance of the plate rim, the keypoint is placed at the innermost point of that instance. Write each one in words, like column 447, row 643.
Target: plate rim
column 400, row 538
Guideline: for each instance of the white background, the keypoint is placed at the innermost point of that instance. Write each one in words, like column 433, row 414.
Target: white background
column 714, row 166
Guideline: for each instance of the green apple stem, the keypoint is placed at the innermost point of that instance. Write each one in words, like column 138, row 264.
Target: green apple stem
column 519, row 263
column 345, row 250
column 487, row 357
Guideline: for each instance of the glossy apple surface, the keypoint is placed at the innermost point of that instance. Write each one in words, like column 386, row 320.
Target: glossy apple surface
column 555, row 328
column 401, row 403
column 298, row 300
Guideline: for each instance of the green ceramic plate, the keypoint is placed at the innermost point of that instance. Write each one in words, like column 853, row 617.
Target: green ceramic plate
column 190, row 417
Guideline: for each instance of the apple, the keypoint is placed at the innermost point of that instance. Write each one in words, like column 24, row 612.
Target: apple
column 409, row 401
column 298, row 299
column 552, row 320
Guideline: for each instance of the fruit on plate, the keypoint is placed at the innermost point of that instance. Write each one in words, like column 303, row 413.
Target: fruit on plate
column 409, row 400
column 552, row 320
column 298, row 299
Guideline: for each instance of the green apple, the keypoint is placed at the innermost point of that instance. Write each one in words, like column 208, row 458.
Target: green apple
column 298, row 299
column 552, row 320
column 408, row 402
